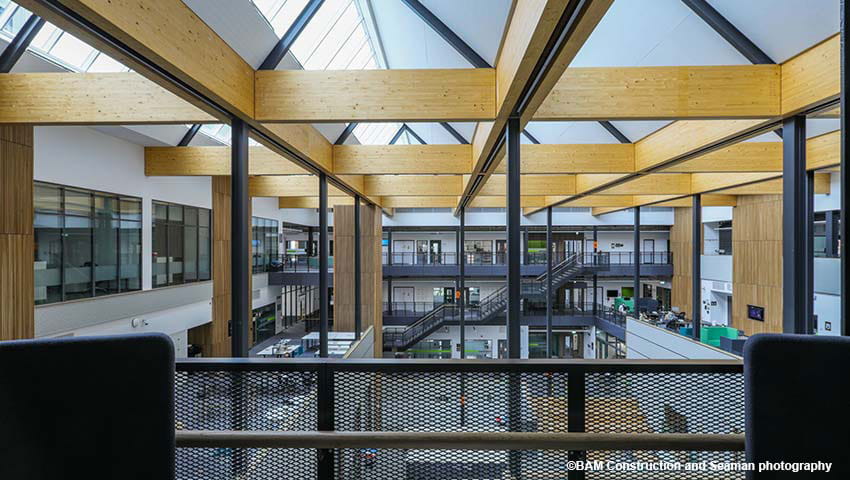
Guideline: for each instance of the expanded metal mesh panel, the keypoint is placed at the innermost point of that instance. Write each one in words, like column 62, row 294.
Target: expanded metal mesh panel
column 665, row 403
column 245, row 400
column 449, row 401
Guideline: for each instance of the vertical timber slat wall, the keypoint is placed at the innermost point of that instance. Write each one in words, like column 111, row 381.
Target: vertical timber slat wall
column 757, row 262
column 17, row 288
column 371, row 270
column 680, row 247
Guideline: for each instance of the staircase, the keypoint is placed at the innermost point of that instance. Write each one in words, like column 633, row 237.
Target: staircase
column 402, row 339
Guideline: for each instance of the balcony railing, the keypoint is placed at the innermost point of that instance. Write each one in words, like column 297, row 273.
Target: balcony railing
column 272, row 419
column 297, row 263
column 533, row 258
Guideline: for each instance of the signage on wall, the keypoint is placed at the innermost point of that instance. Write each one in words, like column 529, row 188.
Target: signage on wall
column 755, row 313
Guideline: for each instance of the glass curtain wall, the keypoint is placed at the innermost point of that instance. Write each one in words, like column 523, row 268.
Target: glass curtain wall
column 181, row 244
column 87, row 243
column 264, row 243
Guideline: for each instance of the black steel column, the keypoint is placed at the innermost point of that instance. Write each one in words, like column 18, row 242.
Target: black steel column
column 323, row 265
column 696, row 273
column 240, row 232
column 549, row 353
column 390, row 296
column 389, row 246
column 595, row 261
column 809, row 227
column 793, row 225
column 357, row 280
column 832, row 227
column 525, row 259
column 844, row 234
column 512, row 222
column 461, row 259
column 16, row 48
column 310, row 252
column 636, row 295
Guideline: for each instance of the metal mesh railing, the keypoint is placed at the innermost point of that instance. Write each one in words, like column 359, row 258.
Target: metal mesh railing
column 468, row 396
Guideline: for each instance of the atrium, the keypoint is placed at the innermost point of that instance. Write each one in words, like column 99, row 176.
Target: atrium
column 424, row 239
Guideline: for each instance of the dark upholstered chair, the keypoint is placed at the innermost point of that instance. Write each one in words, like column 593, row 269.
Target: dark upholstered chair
column 88, row 407
column 797, row 390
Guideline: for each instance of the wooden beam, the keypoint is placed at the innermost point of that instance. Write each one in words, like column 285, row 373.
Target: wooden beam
column 492, row 201
column 710, row 200
column 709, row 182
column 640, row 93
column 812, row 77
column 528, row 33
column 91, row 98
column 173, row 37
column 774, row 187
column 575, row 158
column 202, row 161
column 311, row 202
column 303, row 139
column 401, row 159
column 413, row 185
column 824, row 151
column 741, row 157
column 301, row 96
column 418, row 202
column 657, row 183
column 295, row 186
column 532, row 184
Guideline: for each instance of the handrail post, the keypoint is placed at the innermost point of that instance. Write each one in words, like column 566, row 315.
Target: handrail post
column 576, row 411
column 325, row 419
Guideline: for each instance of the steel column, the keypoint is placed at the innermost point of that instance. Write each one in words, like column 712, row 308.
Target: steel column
column 549, row 349
column 636, row 279
column 358, row 314
column 390, row 295
column 844, row 233
column 809, row 227
column 310, row 252
column 595, row 260
column 512, row 222
column 324, row 249
column 794, row 218
column 696, row 271
column 525, row 260
column 389, row 246
column 16, row 48
column 832, row 227
column 461, row 261
column 240, row 233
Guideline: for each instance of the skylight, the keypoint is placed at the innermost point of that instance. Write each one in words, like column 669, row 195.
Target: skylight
column 336, row 37
column 56, row 45
column 376, row 133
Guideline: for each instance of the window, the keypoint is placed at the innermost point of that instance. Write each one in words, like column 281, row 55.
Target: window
column 87, row 244
column 264, row 243
column 181, row 244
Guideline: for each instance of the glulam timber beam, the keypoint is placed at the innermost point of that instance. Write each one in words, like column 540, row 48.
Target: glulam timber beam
column 401, row 159
column 171, row 36
column 300, row 96
column 296, row 186
column 532, row 184
column 171, row 46
column 638, row 93
column 525, row 45
column 575, row 158
column 91, row 99
column 214, row 161
column 312, row 202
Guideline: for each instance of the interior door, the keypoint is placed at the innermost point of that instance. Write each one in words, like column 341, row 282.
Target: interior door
column 436, row 249
column 449, row 295
column 421, row 252
column 648, row 252
column 501, row 251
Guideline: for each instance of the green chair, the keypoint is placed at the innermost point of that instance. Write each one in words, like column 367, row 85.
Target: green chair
column 711, row 335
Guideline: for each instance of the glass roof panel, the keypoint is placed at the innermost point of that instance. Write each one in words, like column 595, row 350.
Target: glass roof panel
column 280, row 14
column 376, row 133
column 55, row 44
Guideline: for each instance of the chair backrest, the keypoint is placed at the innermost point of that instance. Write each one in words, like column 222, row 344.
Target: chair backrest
column 88, row 407
column 797, row 389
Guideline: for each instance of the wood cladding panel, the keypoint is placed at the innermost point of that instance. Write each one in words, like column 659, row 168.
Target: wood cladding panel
column 641, row 93
column 17, row 287
column 302, row 96
column 757, row 262
column 371, row 270
column 91, row 98
column 680, row 247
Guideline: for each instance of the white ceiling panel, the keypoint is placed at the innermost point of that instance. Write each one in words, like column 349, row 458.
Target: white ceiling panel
column 409, row 42
column 782, row 28
column 480, row 23
column 569, row 132
column 654, row 33
column 638, row 129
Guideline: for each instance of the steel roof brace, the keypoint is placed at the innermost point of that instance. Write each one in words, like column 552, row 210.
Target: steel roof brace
column 447, row 34
column 349, row 129
column 285, row 43
column 16, row 48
